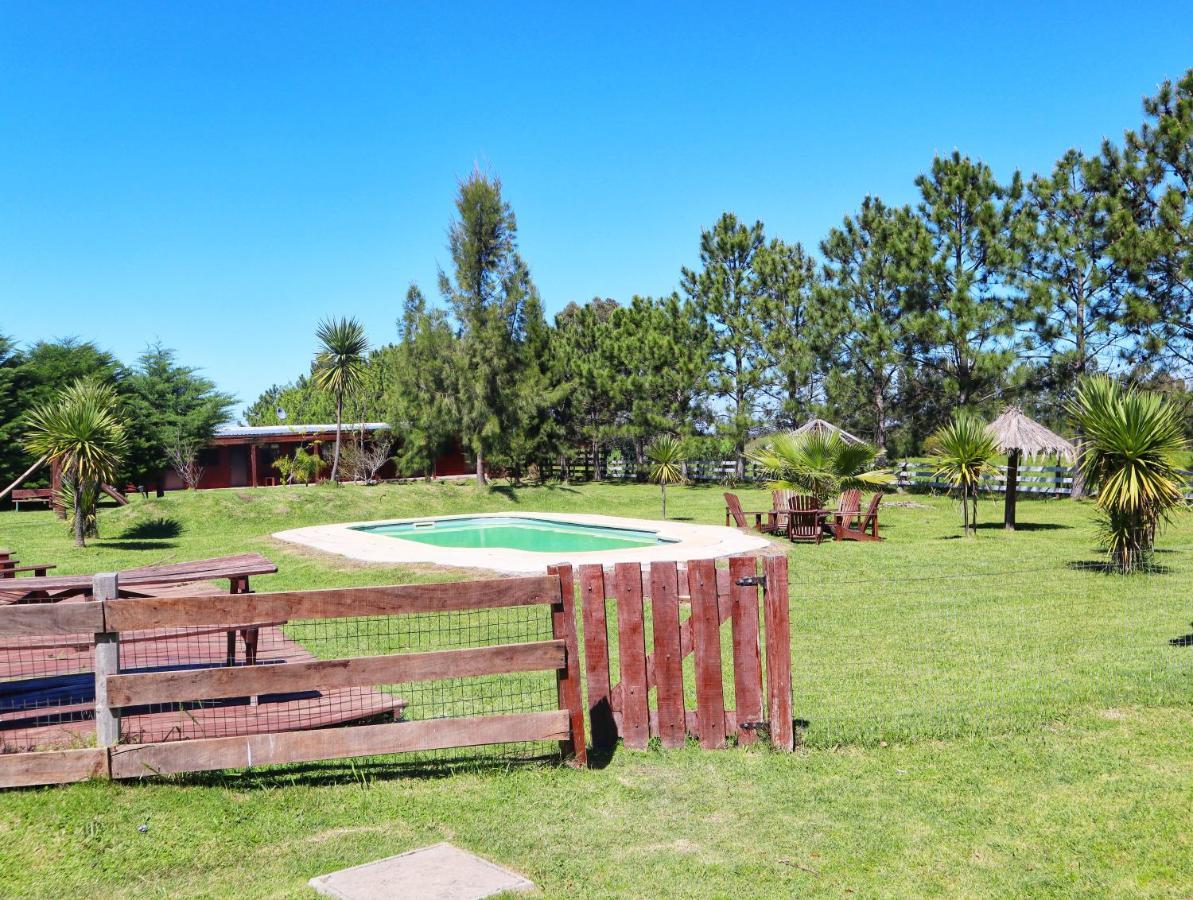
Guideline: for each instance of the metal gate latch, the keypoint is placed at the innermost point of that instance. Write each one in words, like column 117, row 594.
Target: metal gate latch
column 751, row 581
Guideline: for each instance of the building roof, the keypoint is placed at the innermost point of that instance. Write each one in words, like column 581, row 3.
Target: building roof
column 251, row 431
column 1015, row 431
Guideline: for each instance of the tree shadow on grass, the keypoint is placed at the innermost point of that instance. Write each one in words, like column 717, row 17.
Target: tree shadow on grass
column 135, row 545
column 359, row 771
column 1102, row 567
column 1025, row 526
column 153, row 529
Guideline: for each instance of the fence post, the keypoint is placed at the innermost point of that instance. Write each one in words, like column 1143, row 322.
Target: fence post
column 778, row 653
column 563, row 627
column 106, row 586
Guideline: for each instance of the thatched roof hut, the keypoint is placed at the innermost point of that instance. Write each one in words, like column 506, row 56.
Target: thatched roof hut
column 820, row 426
column 1017, row 436
column 1013, row 431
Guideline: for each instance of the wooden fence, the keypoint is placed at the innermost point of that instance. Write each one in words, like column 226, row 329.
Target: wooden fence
column 735, row 595
column 1053, row 481
column 1047, row 481
column 111, row 620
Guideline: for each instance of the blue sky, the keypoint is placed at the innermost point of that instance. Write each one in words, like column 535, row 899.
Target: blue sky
column 219, row 176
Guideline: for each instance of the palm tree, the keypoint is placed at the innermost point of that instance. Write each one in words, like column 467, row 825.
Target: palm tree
column 819, row 463
column 339, row 367
column 963, row 449
column 667, row 458
column 1133, row 442
column 81, row 431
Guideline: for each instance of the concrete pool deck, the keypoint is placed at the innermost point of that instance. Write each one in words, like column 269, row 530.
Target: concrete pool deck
column 691, row 542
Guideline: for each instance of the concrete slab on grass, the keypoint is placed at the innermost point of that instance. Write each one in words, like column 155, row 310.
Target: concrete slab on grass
column 438, row 872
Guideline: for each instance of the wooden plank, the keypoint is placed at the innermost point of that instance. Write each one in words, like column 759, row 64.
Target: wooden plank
column 205, row 754
column 668, row 662
column 52, row 767
column 388, row 600
column 706, row 642
column 51, row 618
column 107, row 665
column 328, row 674
column 777, row 615
column 691, row 722
column 631, row 646
column 747, row 655
column 596, row 657
column 567, row 678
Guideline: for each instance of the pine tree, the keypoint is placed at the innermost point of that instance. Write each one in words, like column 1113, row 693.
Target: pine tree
column 966, row 325
column 876, row 264
column 487, row 293
column 787, row 282
column 726, row 290
column 419, row 380
column 1151, row 182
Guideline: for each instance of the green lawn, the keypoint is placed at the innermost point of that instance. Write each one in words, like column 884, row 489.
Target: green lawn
column 984, row 717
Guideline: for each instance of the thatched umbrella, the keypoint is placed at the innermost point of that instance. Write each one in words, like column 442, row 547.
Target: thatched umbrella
column 1018, row 436
column 822, row 427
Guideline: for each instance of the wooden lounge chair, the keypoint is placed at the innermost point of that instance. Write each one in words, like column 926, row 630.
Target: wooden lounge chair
column 867, row 525
column 848, row 511
column 804, row 519
column 734, row 511
column 780, row 501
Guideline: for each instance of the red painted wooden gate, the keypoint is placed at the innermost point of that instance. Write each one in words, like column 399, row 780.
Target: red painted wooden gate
column 736, row 595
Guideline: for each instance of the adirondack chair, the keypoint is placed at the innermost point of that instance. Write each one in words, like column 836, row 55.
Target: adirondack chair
column 803, row 522
column 734, row 511
column 867, row 525
column 848, row 510
column 780, row 500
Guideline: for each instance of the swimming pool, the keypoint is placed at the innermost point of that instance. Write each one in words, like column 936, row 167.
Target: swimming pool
column 518, row 533
column 522, row 542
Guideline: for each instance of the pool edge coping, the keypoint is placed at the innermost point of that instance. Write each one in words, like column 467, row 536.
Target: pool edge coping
column 692, row 541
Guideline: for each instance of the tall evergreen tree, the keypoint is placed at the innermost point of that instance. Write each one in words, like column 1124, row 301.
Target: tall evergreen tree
column 1151, row 181
column 11, row 451
column 1077, row 293
column 487, row 293
column 966, row 326
column 726, row 289
column 585, row 408
column 420, row 385
column 170, row 404
column 787, row 281
column 656, row 357
column 876, row 266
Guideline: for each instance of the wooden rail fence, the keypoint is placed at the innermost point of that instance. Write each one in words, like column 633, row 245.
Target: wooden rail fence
column 108, row 618
column 736, row 595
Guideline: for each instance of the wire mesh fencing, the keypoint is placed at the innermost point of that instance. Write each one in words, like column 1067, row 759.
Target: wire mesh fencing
column 47, row 685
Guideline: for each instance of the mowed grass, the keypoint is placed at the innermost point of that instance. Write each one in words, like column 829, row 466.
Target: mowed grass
column 984, row 717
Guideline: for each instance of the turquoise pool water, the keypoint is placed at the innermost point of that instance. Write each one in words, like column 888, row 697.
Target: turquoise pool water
column 514, row 533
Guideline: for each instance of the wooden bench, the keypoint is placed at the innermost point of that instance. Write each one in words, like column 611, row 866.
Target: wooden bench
column 32, row 495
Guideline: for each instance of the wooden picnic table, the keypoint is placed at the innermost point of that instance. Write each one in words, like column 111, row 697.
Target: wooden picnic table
column 177, row 579
column 237, row 569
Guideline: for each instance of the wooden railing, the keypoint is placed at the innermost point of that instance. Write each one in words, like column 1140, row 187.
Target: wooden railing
column 108, row 618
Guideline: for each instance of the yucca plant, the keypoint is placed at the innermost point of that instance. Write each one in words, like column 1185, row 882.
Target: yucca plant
column 818, row 463
column 80, row 430
column 1131, row 454
column 963, row 449
column 339, row 367
column 667, row 457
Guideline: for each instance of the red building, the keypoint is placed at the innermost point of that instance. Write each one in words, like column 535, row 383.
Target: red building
column 243, row 455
